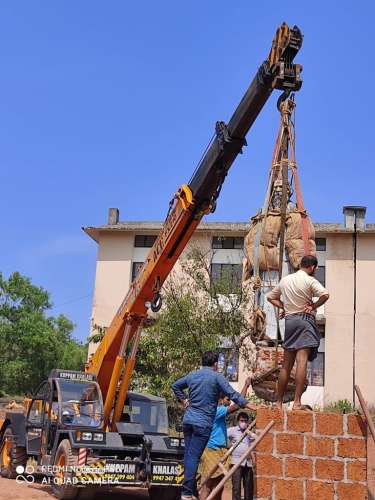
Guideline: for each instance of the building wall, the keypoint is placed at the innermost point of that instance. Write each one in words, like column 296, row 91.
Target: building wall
column 112, row 278
column 339, row 318
column 116, row 253
column 339, row 314
column 365, row 317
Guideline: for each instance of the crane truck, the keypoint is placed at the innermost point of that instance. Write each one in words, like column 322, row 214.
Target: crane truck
column 86, row 430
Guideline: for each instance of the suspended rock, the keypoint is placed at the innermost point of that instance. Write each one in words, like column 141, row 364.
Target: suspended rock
column 264, row 381
column 265, row 386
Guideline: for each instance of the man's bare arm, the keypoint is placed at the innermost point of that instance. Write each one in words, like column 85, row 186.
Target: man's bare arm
column 233, row 407
column 313, row 306
column 277, row 303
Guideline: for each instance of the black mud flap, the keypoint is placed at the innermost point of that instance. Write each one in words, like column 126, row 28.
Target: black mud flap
column 18, row 423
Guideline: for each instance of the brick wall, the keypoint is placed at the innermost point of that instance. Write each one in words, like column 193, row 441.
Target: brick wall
column 317, row 456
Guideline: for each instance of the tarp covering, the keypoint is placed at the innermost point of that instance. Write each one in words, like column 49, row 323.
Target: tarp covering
column 293, row 238
column 268, row 248
column 269, row 241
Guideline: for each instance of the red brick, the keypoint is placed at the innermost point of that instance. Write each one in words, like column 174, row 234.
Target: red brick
column 357, row 425
column 351, row 447
column 352, row 491
column 317, row 490
column 289, row 489
column 298, row 467
column 263, row 487
column 289, row 443
column 300, row 421
column 265, row 415
column 357, row 471
column 320, row 447
column 268, row 465
column 266, row 445
column 329, row 469
column 329, row 424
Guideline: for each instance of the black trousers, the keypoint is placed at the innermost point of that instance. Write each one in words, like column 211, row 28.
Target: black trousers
column 244, row 475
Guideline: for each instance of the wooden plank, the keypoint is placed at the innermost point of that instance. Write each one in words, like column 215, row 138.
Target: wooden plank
column 228, row 454
column 245, row 456
column 370, row 423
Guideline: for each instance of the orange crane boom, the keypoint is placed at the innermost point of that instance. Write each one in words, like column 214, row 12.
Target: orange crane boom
column 114, row 359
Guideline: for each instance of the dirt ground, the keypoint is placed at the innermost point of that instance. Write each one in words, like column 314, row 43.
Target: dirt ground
column 9, row 489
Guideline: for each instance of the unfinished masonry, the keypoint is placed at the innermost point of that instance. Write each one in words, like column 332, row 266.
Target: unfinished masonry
column 315, row 456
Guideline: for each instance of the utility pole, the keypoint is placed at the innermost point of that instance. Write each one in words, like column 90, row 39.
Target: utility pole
column 354, row 220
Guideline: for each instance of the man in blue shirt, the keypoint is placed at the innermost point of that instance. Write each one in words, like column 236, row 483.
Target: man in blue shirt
column 204, row 388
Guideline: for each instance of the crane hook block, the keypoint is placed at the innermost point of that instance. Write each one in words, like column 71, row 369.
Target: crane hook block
column 156, row 303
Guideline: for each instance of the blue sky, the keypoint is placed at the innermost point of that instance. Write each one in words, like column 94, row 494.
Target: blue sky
column 110, row 104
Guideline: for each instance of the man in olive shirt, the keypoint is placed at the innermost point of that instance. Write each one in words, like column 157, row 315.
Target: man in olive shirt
column 293, row 296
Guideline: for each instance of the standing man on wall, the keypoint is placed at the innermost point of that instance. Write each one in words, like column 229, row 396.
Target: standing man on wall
column 302, row 337
column 204, row 388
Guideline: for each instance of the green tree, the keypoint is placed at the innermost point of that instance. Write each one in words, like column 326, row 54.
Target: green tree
column 198, row 314
column 31, row 342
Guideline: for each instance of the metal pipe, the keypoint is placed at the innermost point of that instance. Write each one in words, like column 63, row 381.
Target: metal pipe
column 354, row 299
column 116, row 374
column 124, row 386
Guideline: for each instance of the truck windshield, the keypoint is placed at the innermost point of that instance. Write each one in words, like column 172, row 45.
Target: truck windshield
column 80, row 403
column 152, row 415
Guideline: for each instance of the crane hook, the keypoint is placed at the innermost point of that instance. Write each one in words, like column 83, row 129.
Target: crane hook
column 283, row 97
column 156, row 303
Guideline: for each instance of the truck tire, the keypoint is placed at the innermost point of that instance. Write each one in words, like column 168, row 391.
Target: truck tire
column 164, row 493
column 65, row 457
column 11, row 455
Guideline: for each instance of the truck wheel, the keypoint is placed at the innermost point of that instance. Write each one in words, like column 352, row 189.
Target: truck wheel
column 61, row 485
column 164, row 493
column 11, row 455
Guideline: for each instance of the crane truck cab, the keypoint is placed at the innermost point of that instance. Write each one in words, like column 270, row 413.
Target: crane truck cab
column 61, row 436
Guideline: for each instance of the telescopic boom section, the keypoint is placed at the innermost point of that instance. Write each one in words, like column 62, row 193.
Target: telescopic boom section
column 115, row 356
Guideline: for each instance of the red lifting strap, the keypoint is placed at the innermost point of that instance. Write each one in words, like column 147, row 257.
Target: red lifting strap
column 300, row 205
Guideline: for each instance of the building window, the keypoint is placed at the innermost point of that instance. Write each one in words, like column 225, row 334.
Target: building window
column 315, row 371
column 227, row 276
column 230, row 242
column 321, row 244
column 320, row 274
column 144, row 240
column 228, row 364
column 135, row 269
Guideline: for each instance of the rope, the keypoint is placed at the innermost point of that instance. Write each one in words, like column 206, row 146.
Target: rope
column 283, row 160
